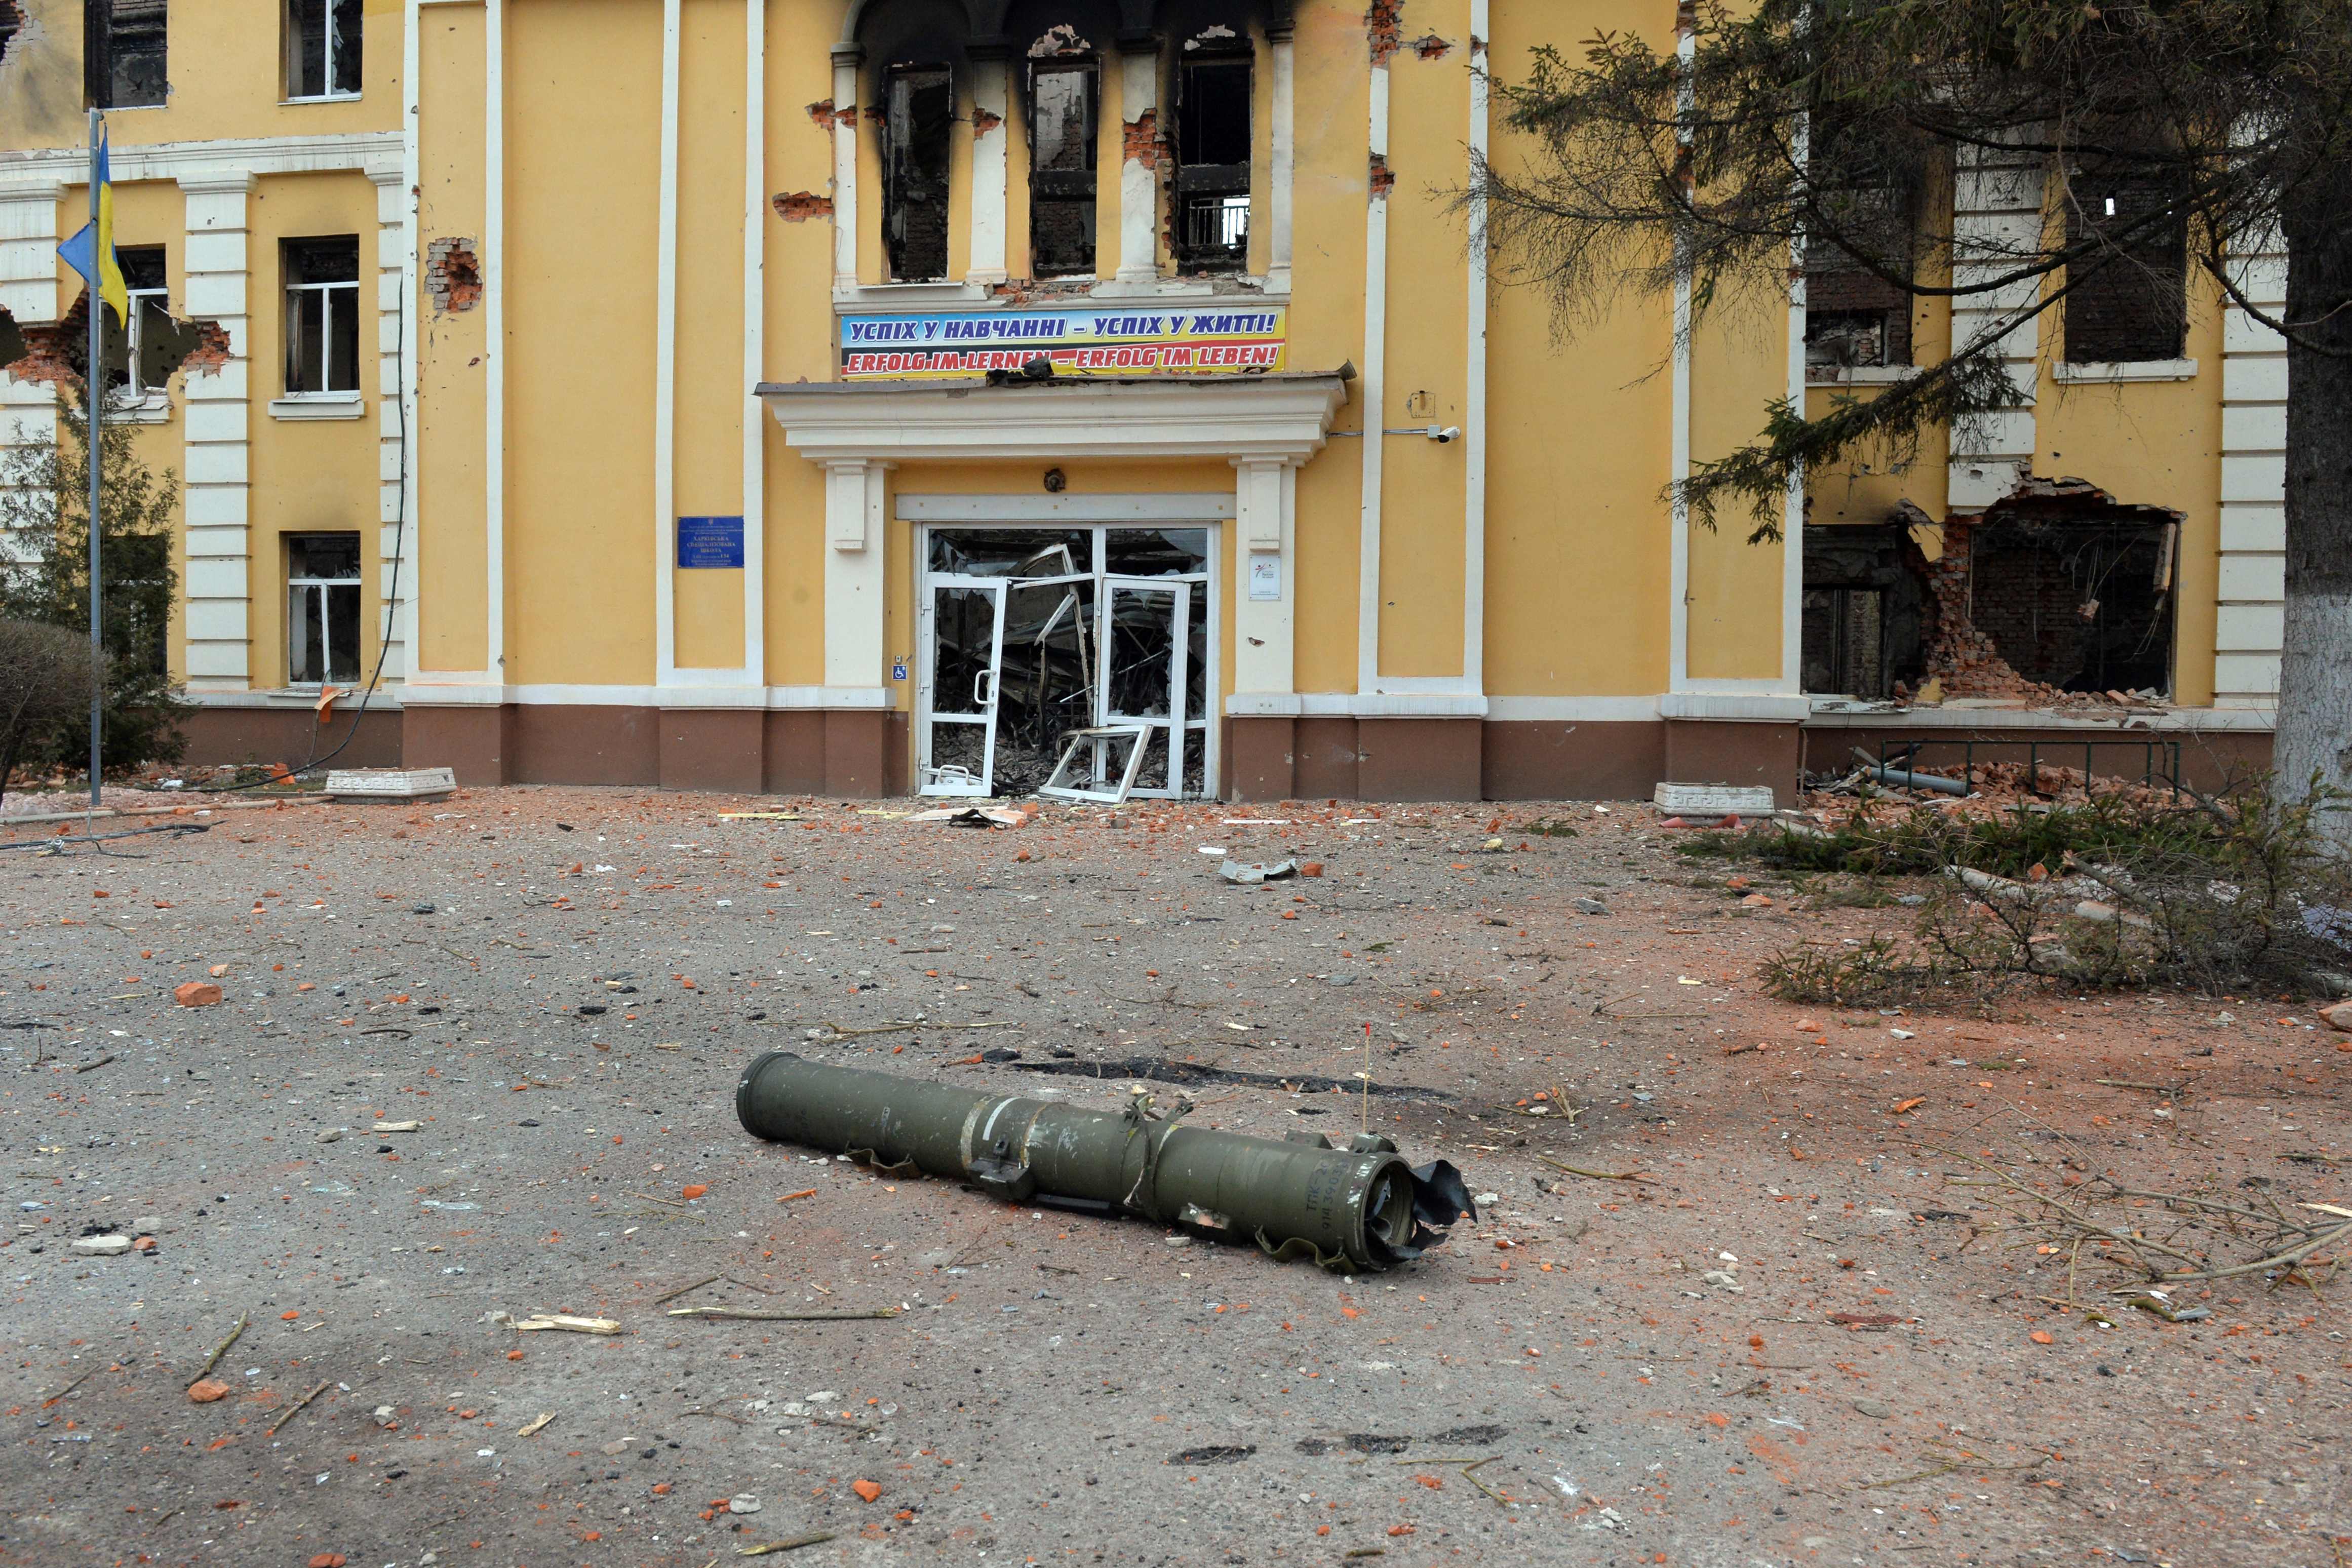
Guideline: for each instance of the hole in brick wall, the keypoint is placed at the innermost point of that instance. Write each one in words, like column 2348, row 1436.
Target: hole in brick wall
column 453, row 275
column 2057, row 595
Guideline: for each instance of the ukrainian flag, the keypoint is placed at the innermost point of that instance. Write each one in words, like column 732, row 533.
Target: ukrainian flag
column 91, row 251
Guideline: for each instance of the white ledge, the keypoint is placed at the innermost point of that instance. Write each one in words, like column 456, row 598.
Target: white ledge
column 1859, row 374
column 2130, row 369
column 1750, row 707
column 1835, row 714
column 334, row 405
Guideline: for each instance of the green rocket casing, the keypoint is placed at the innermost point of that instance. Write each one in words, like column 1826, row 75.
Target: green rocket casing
column 1358, row 1207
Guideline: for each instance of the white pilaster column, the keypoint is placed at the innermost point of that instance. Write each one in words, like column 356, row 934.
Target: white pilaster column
column 1283, row 167
column 845, row 60
column 217, row 475
column 991, row 93
column 1996, row 218
column 1266, row 492
column 1139, row 171
column 396, row 563
column 855, row 604
column 2250, row 621
column 29, row 292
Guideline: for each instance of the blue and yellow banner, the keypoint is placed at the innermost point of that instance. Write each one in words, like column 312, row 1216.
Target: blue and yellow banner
column 1192, row 340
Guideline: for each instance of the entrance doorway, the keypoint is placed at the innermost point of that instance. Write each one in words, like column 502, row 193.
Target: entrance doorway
column 1026, row 634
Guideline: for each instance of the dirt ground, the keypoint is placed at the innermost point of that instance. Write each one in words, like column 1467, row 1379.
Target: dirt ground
column 559, row 988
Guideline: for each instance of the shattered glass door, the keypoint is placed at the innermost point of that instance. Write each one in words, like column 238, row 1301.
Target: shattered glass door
column 1089, row 626
column 1146, row 626
column 963, row 637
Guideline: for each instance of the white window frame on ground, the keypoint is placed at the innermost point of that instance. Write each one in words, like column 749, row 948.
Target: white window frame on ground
column 1196, row 597
column 310, row 601
column 329, row 371
column 334, row 88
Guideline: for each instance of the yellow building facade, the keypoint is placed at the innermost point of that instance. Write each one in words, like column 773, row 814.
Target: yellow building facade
column 866, row 396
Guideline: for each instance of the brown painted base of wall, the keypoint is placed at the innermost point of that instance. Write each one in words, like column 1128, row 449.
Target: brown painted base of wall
column 847, row 755
column 1473, row 758
column 867, row 754
column 292, row 736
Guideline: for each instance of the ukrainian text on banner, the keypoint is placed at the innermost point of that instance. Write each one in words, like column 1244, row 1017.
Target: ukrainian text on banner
column 1079, row 343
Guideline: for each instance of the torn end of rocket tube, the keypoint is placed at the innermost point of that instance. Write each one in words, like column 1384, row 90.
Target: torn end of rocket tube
column 1358, row 1207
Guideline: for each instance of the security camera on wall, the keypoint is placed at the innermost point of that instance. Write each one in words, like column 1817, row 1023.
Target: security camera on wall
column 1442, row 435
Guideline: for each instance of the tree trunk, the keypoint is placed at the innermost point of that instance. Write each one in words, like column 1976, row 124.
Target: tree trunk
column 2314, row 711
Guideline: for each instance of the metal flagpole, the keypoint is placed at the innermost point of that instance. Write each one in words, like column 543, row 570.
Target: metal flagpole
column 94, row 391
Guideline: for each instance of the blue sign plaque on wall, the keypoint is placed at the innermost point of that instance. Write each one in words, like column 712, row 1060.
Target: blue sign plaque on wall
column 709, row 541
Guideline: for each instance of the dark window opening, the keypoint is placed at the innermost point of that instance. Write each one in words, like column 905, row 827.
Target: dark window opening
column 2127, row 300
column 11, row 18
column 322, row 48
column 1062, row 133
column 918, row 116
column 322, row 609
column 1865, row 226
column 1213, row 163
column 322, row 316
column 1861, row 614
column 122, row 53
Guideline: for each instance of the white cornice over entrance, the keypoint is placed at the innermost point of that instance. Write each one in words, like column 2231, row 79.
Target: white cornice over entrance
column 1280, row 417
column 1266, row 426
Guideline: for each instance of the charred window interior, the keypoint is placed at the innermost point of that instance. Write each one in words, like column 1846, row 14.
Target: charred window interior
column 122, row 53
column 1862, row 617
column 918, row 116
column 11, row 18
column 322, row 609
column 1864, row 228
column 1062, row 133
column 1213, row 163
column 322, row 48
column 2127, row 301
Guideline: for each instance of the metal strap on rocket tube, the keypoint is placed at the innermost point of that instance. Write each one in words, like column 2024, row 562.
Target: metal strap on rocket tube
column 1359, row 1207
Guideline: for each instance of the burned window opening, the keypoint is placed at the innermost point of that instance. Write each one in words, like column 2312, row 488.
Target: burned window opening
column 917, row 118
column 124, row 52
column 1864, row 612
column 1064, row 99
column 12, row 19
column 1854, row 317
column 2127, row 301
column 151, row 354
column 57, row 353
column 1212, row 162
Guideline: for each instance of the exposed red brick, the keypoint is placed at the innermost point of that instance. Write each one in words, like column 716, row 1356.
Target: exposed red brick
column 1432, row 48
column 1384, row 27
column 48, row 359
column 212, row 350
column 1383, row 178
column 1143, row 139
column 821, row 113
column 874, row 115
column 1961, row 656
column 982, row 123
column 799, row 206
column 453, row 275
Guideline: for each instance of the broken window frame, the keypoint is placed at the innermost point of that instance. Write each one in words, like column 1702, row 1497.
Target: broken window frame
column 128, row 386
column 126, row 36
column 1078, row 188
column 329, row 604
column 1209, row 192
column 337, row 28
column 904, row 186
column 1190, row 725
column 336, row 381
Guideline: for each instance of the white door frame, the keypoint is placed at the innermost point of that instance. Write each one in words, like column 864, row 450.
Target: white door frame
column 1206, row 586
